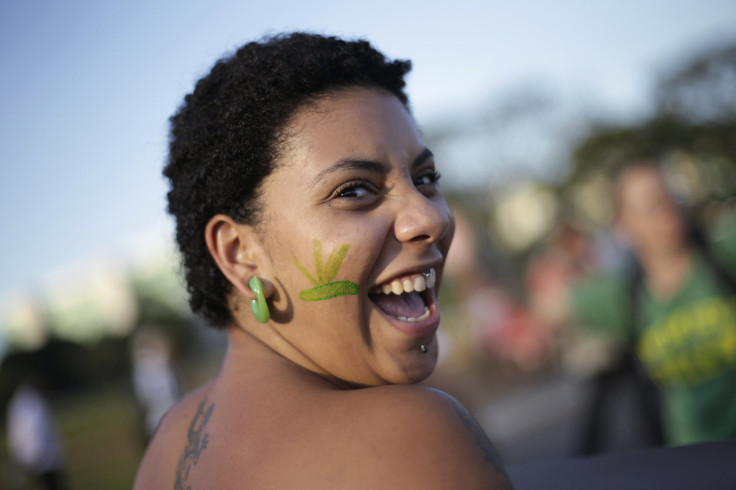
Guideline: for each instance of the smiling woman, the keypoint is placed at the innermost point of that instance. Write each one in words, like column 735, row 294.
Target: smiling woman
column 296, row 161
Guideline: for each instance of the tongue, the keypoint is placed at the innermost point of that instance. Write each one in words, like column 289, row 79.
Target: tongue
column 409, row 305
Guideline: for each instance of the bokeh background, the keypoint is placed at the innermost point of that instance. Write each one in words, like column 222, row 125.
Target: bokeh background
column 525, row 104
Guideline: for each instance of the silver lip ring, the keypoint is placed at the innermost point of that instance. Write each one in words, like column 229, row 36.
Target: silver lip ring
column 423, row 348
column 427, row 273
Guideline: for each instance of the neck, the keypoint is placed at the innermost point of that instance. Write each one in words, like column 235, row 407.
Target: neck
column 666, row 270
column 247, row 356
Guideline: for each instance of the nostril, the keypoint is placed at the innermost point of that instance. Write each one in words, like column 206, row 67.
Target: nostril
column 422, row 220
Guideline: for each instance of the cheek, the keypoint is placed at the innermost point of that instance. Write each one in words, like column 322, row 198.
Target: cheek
column 447, row 239
column 328, row 255
column 324, row 276
column 321, row 266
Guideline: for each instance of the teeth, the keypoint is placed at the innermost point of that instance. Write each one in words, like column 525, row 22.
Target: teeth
column 423, row 316
column 417, row 282
column 408, row 284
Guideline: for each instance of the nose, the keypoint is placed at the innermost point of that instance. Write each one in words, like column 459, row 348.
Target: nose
column 423, row 219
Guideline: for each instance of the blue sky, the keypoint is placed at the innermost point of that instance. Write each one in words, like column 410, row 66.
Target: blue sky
column 86, row 88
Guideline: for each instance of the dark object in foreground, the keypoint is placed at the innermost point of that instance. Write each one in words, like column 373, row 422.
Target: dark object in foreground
column 709, row 466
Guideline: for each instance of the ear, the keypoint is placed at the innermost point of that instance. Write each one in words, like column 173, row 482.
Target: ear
column 237, row 252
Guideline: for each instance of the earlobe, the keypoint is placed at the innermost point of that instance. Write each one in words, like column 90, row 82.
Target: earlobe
column 234, row 250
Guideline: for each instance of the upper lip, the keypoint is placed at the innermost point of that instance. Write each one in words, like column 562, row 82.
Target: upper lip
column 417, row 269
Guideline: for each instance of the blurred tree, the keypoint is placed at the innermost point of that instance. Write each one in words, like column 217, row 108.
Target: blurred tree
column 703, row 90
column 521, row 133
column 58, row 366
column 694, row 122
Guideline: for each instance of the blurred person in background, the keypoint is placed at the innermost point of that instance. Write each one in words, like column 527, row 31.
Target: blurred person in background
column 156, row 381
column 482, row 314
column 675, row 307
column 312, row 229
column 33, row 440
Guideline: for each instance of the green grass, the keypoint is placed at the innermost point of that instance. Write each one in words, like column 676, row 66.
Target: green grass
column 100, row 435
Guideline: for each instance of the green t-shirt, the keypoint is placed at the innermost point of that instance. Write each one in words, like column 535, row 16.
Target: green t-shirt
column 687, row 343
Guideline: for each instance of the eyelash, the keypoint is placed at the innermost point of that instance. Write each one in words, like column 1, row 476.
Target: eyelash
column 354, row 184
column 434, row 178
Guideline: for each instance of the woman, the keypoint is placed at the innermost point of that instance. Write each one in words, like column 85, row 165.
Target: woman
column 312, row 228
column 677, row 311
column 674, row 308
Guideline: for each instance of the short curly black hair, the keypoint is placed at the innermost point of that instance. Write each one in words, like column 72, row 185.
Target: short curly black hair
column 226, row 136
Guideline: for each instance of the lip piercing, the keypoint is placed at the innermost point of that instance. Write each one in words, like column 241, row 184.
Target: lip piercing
column 423, row 348
column 426, row 273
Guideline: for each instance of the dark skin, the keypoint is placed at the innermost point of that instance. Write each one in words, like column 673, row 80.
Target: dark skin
column 305, row 433
column 323, row 395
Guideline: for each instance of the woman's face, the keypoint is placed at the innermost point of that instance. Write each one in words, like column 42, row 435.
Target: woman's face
column 351, row 216
column 647, row 212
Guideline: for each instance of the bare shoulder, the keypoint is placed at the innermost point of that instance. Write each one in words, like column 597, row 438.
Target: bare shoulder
column 383, row 437
column 183, row 423
column 427, row 439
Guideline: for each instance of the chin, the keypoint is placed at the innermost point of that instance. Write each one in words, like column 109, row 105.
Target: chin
column 420, row 375
column 416, row 369
column 397, row 372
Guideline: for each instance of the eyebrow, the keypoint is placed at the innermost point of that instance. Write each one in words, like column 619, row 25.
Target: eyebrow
column 371, row 166
column 423, row 157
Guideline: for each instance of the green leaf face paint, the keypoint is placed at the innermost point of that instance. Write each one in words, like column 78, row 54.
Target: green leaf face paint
column 324, row 286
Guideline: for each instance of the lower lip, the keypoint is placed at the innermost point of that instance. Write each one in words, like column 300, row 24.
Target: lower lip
column 423, row 328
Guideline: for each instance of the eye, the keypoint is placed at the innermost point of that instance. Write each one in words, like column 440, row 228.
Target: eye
column 427, row 178
column 355, row 189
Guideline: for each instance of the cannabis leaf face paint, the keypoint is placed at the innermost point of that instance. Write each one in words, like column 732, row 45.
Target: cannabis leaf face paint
column 324, row 286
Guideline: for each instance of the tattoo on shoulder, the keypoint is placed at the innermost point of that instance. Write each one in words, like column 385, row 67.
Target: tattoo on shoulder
column 490, row 455
column 197, row 441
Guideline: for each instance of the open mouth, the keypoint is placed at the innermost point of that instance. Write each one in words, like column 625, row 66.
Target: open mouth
column 407, row 298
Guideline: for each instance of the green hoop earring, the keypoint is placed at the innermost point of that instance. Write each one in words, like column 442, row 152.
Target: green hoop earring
column 259, row 305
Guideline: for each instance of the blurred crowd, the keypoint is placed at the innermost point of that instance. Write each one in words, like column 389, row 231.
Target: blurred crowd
column 622, row 275
column 643, row 308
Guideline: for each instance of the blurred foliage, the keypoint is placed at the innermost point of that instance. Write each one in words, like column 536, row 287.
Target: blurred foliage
column 62, row 367
column 692, row 126
column 703, row 90
column 694, row 117
column 99, row 430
